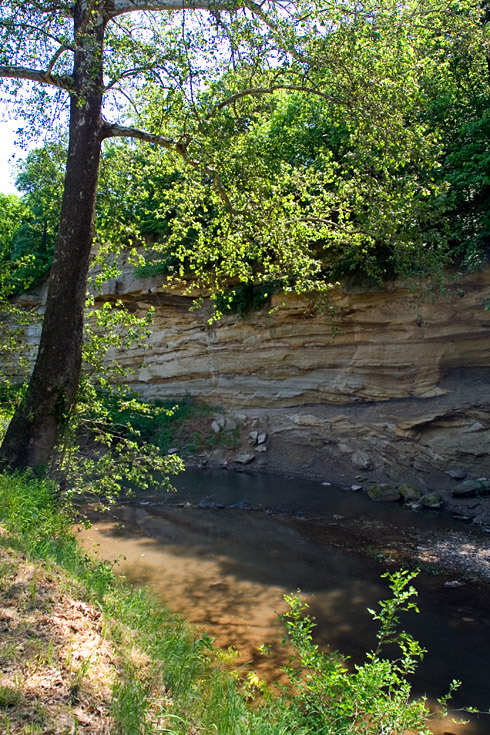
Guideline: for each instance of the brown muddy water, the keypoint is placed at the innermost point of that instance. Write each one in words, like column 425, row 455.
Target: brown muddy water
column 226, row 547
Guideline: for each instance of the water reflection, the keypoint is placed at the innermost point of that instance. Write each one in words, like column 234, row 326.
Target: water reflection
column 227, row 569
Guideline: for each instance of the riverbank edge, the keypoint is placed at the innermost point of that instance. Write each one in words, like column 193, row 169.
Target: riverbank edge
column 303, row 443
column 463, row 550
column 83, row 652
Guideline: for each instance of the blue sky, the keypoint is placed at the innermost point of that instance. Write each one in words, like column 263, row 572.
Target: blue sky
column 7, row 150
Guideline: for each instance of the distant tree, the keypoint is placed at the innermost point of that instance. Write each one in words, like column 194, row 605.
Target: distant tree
column 28, row 248
column 194, row 72
column 40, row 180
column 12, row 214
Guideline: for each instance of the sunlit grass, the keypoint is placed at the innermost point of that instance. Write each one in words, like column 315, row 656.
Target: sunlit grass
column 169, row 677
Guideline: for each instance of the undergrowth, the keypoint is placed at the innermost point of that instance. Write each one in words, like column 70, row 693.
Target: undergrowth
column 171, row 680
column 184, row 426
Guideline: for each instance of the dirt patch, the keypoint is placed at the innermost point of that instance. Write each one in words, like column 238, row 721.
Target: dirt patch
column 57, row 667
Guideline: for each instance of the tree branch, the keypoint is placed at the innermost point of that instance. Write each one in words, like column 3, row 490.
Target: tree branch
column 256, row 9
column 52, row 6
column 125, row 74
column 37, row 75
column 10, row 26
column 110, row 130
column 257, row 91
column 126, row 6
column 129, row 99
column 56, row 56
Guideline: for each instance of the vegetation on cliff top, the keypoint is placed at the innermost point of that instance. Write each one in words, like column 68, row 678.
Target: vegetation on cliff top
column 293, row 144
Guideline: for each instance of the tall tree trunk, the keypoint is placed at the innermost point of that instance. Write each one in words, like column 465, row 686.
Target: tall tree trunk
column 34, row 429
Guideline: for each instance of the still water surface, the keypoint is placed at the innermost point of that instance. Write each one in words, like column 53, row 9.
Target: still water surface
column 226, row 547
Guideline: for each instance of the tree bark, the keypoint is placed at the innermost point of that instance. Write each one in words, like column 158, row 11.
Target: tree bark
column 33, row 431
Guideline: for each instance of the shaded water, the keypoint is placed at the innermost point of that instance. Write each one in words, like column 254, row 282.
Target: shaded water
column 227, row 547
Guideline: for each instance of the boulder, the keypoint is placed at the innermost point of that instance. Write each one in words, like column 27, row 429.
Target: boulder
column 383, row 493
column 457, row 474
column 361, row 460
column 244, row 458
column 413, row 505
column 431, row 500
column 482, row 519
column 409, row 492
column 470, row 488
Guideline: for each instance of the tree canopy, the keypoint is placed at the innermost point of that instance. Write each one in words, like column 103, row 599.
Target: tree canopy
column 290, row 142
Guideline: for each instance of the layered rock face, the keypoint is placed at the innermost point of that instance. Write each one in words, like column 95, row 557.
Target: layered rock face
column 382, row 383
column 363, row 347
column 388, row 382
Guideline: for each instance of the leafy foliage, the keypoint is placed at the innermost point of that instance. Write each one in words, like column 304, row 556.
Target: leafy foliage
column 374, row 697
column 101, row 449
column 372, row 168
column 341, row 180
column 245, row 298
column 27, row 245
column 323, row 697
column 378, row 175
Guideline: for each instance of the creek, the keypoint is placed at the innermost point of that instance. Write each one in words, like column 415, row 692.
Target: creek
column 226, row 547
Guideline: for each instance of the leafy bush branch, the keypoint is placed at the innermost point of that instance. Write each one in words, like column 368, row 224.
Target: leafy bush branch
column 373, row 698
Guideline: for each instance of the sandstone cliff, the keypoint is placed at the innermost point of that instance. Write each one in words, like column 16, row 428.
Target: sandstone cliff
column 390, row 383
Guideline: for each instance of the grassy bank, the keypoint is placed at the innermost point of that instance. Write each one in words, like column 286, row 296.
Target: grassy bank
column 82, row 651
column 157, row 674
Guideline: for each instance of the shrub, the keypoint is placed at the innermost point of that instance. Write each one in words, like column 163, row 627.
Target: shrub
column 374, row 697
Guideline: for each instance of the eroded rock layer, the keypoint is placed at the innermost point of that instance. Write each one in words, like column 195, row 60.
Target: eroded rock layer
column 372, row 346
column 383, row 382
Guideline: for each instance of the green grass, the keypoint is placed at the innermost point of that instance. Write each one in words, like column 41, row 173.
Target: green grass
column 182, row 682
column 171, row 680
column 9, row 697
